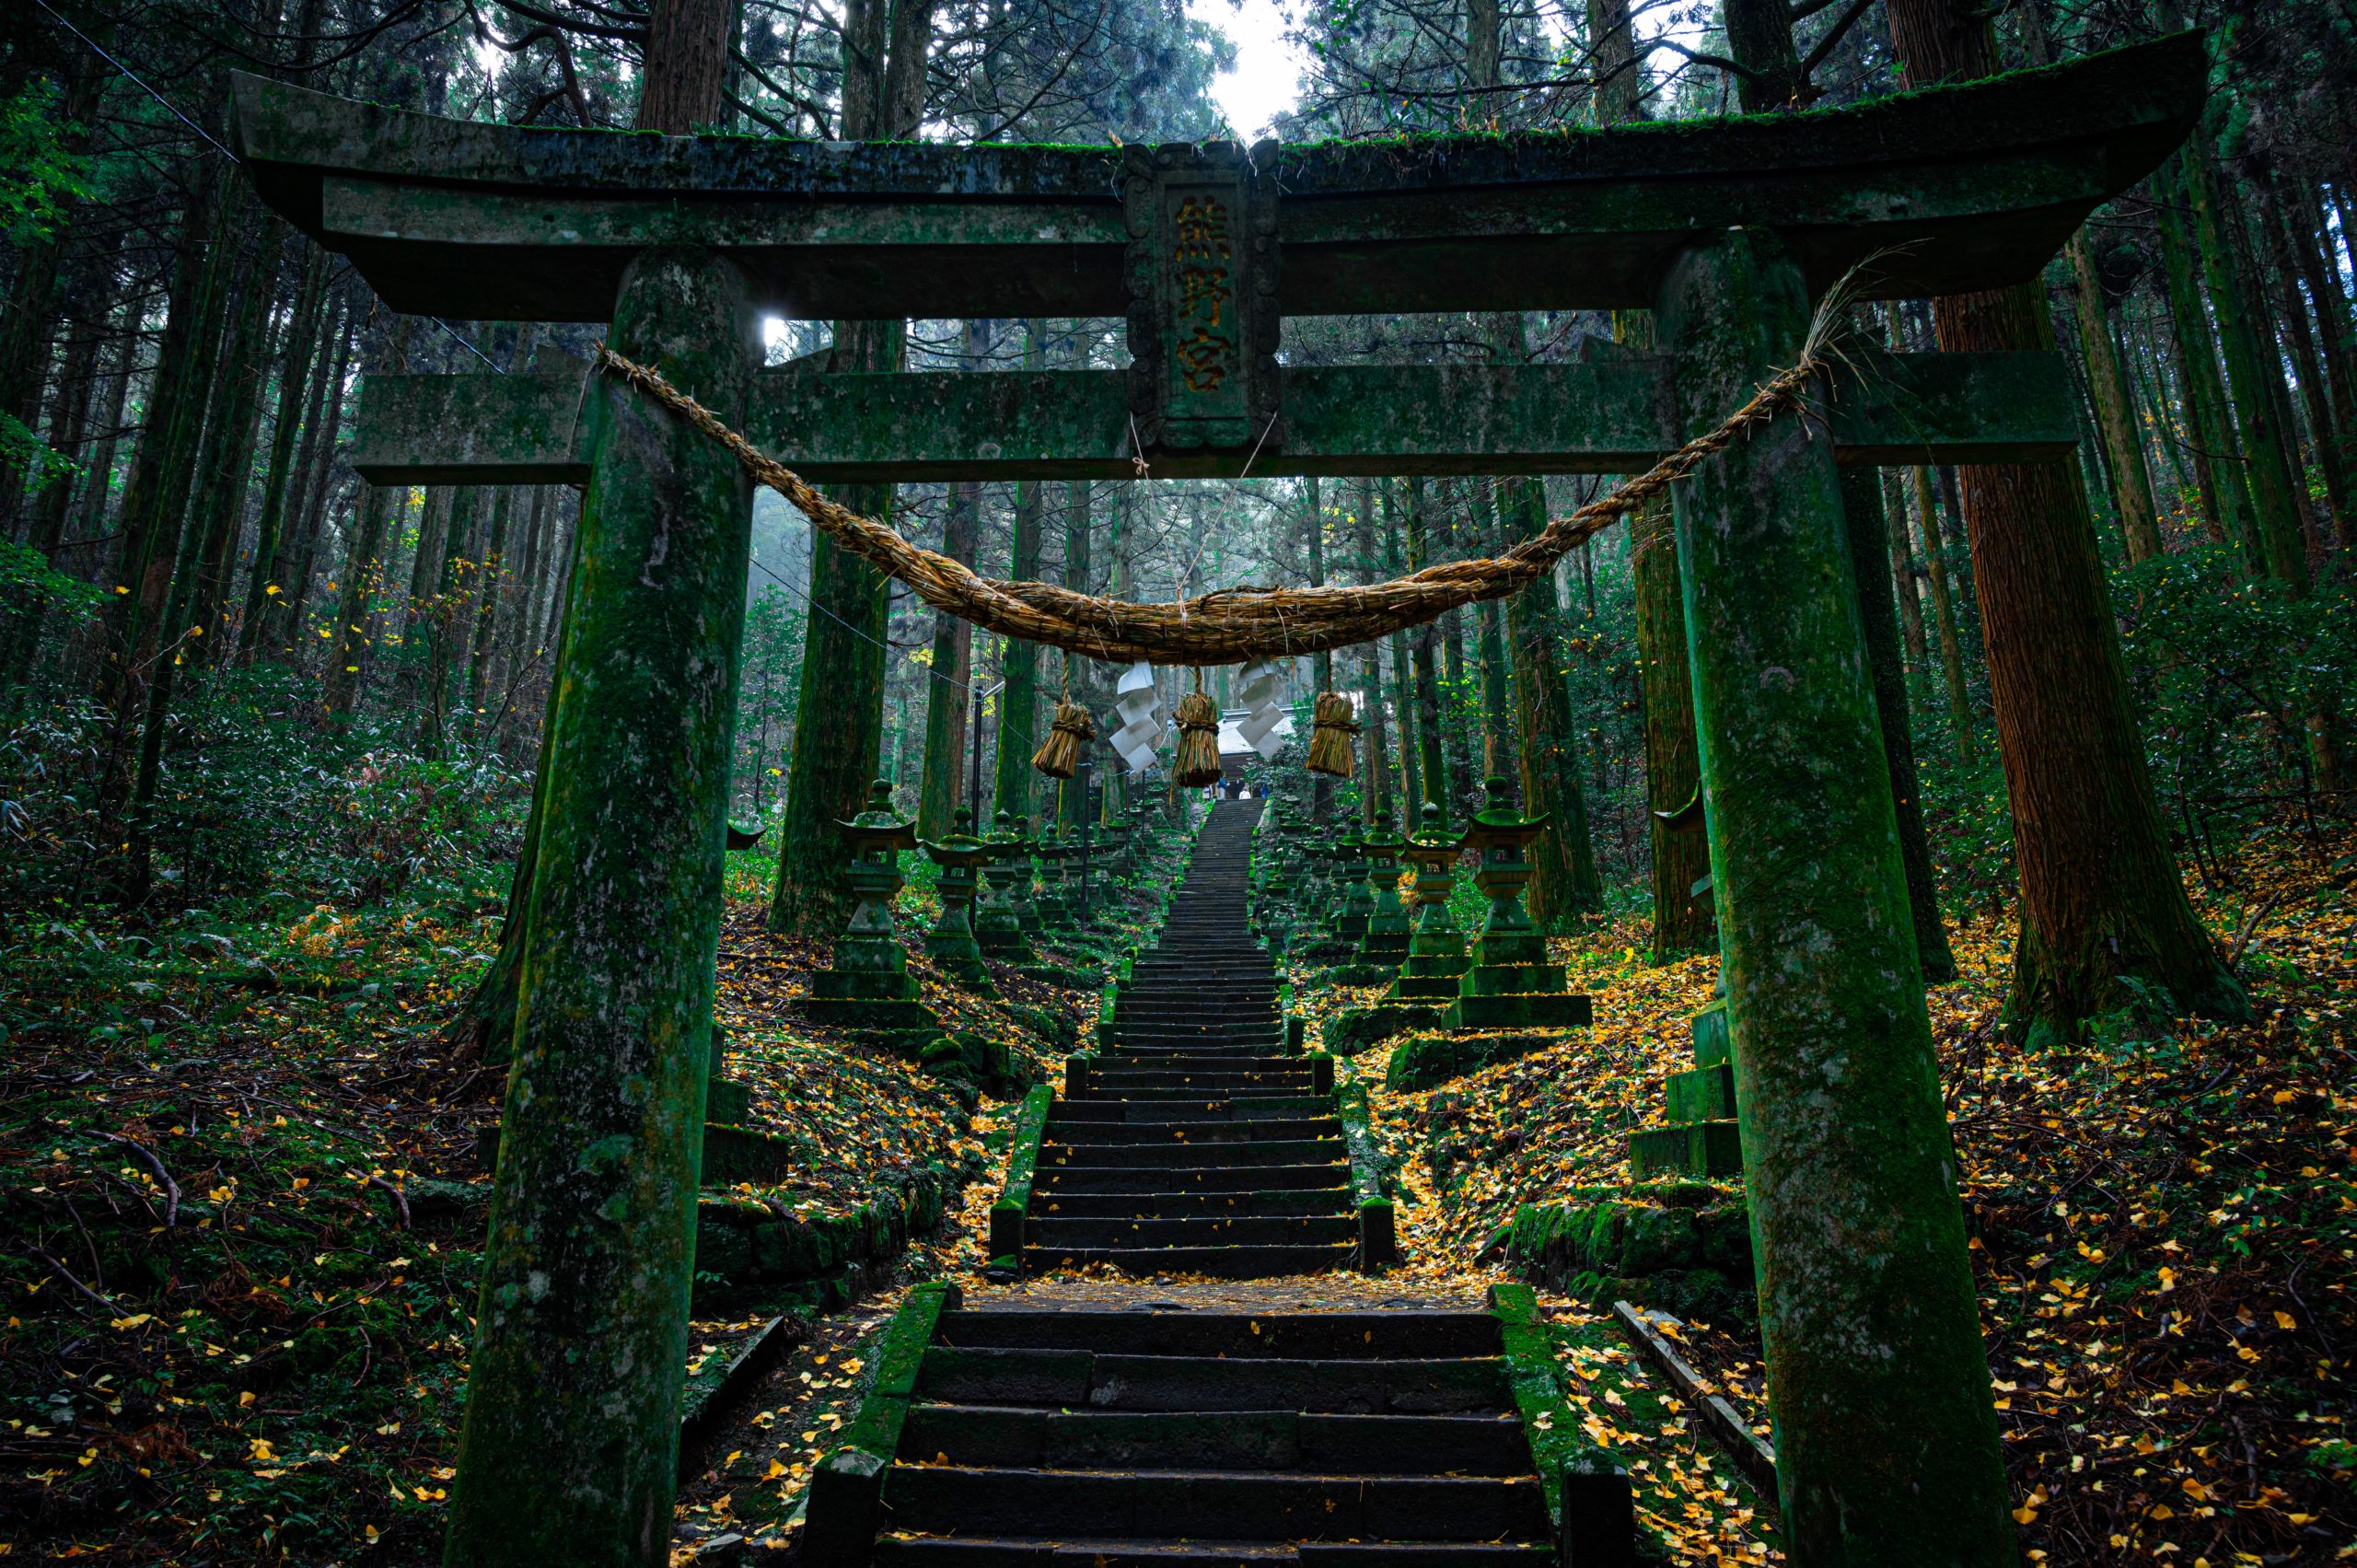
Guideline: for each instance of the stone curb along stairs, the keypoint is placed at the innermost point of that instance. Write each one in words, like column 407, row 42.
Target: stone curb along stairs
column 1207, row 1432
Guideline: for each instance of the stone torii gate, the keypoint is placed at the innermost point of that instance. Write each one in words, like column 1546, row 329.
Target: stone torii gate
column 1728, row 230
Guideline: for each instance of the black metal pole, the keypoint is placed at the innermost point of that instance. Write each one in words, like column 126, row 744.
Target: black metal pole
column 1086, row 768
column 975, row 718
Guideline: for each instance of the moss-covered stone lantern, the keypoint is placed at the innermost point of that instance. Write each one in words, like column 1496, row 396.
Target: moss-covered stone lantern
column 1005, row 913
column 869, row 987
column 952, row 944
column 1436, row 948
column 1385, row 939
column 1347, row 854
column 1510, row 983
column 1055, row 853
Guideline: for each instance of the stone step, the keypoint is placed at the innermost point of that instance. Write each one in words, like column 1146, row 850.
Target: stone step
column 1197, row 998
column 1056, row 1179
column 1237, row 1107
column 1233, row 1506
column 1158, row 1059
column 1172, row 1205
column 1053, row 1234
column 1066, row 1133
column 1241, row 1262
column 1204, row 1154
column 1021, row 1552
column 1144, row 1018
column 975, row 1435
column 1142, row 1083
column 1408, row 1331
column 1085, row 1379
column 1173, row 959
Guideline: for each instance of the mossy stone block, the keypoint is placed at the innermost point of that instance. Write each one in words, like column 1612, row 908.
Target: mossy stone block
column 737, row 1154
column 727, row 1102
column 1714, row 1044
column 1653, row 1238
column 1436, row 989
column 1510, row 949
column 724, row 1251
column 868, row 1011
column 1527, row 1010
column 1512, row 980
column 1356, row 1030
column 1702, row 1094
column 1698, row 1148
column 1423, row 1061
column 1358, row 973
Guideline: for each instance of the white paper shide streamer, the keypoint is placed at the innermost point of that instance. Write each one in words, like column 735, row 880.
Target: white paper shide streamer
column 1265, row 724
column 1139, row 716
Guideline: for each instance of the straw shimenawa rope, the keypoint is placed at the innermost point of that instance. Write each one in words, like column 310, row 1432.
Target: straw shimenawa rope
column 1231, row 625
column 1333, row 722
column 1059, row 755
column 1197, row 760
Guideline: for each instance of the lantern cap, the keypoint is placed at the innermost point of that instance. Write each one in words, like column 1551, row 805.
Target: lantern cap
column 1499, row 826
column 959, row 846
column 877, row 825
column 1432, row 832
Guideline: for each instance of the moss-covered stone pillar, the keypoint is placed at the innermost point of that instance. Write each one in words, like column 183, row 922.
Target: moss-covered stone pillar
column 570, row 1446
column 1886, row 1439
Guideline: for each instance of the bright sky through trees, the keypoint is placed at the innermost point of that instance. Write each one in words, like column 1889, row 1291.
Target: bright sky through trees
column 1268, row 68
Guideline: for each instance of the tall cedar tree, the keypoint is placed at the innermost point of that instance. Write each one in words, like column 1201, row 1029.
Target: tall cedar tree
column 2104, row 915
column 838, row 721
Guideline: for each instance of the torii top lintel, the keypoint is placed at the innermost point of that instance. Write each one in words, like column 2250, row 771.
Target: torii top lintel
column 1973, row 187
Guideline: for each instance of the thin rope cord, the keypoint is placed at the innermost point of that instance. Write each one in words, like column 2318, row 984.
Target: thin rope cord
column 132, row 76
column 174, row 110
column 909, row 653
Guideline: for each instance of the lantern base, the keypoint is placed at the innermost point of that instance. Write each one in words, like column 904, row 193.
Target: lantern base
column 1431, row 990
column 1522, row 1010
column 1512, row 980
column 1361, row 1028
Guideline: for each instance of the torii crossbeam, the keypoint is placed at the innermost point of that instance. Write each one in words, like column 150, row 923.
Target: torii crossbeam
column 1727, row 230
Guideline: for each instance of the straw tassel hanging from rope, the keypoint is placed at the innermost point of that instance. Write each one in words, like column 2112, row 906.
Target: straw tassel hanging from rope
column 1059, row 755
column 1198, row 761
column 1329, row 742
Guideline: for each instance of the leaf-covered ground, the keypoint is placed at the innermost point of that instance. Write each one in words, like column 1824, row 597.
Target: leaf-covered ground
column 243, row 1224
column 2162, row 1218
column 241, row 1205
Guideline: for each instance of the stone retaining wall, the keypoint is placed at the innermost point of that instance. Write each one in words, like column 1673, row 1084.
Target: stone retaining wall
column 1684, row 1247
column 748, row 1246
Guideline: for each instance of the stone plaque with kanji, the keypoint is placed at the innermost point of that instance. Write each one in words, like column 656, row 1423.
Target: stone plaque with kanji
column 1204, row 322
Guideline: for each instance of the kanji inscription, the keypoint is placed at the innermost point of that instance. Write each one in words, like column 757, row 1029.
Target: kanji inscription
column 1204, row 344
column 1204, row 322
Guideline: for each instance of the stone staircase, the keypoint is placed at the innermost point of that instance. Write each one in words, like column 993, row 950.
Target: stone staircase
column 1219, row 1436
column 1196, row 1423
column 1195, row 1141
